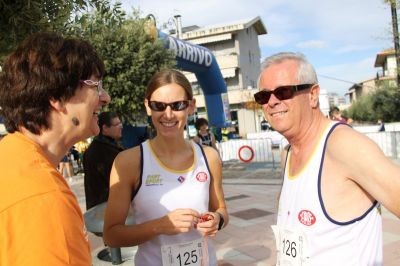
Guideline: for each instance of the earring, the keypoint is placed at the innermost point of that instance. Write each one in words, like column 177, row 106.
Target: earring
column 75, row 121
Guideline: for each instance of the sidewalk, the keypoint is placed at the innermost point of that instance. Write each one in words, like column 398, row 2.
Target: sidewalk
column 251, row 195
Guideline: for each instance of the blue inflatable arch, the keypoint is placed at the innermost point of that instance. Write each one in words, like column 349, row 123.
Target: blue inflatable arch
column 202, row 63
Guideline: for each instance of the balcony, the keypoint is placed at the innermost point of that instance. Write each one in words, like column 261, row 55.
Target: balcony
column 228, row 61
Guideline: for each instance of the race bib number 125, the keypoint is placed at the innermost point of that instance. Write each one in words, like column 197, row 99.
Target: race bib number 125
column 183, row 254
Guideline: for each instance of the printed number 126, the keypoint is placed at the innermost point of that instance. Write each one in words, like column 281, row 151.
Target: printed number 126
column 289, row 248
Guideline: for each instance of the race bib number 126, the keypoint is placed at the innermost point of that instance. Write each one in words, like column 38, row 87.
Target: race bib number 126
column 291, row 246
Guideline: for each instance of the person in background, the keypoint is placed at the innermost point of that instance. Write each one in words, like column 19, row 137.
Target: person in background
column 97, row 162
column 381, row 126
column 65, row 165
column 174, row 185
column 217, row 133
column 204, row 136
column 329, row 206
column 335, row 115
column 81, row 147
column 264, row 125
column 225, row 133
column 75, row 157
column 50, row 94
column 3, row 131
column 99, row 157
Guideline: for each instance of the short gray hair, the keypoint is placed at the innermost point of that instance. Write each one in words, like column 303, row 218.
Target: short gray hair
column 305, row 73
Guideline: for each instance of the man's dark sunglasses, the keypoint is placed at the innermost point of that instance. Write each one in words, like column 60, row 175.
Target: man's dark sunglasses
column 282, row 93
column 175, row 106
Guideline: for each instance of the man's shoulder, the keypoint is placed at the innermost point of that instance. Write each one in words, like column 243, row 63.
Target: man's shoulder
column 101, row 143
column 343, row 131
column 346, row 140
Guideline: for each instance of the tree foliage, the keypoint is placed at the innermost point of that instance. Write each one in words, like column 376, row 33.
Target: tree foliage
column 379, row 105
column 392, row 1
column 385, row 103
column 129, row 56
column 361, row 110
column 20, row 18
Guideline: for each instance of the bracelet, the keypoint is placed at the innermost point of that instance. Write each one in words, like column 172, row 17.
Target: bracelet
column 221, row 221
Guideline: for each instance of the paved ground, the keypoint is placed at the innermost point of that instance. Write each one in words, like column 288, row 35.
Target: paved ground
column 251, row 195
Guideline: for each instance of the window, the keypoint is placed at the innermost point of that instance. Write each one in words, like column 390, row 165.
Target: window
column 196, row 89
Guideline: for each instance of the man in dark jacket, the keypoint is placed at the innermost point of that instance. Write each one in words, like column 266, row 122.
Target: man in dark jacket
column 99, row 157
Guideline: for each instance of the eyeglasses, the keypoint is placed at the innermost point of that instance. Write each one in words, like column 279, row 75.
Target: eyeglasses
column 116, row 125
column 175, row 106
column 282, row 93
column 98, row 84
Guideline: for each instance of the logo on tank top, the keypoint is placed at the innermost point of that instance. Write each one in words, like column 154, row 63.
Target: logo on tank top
column 181, row 179
column 202, row 177
column 307, row 217
column 153, row 180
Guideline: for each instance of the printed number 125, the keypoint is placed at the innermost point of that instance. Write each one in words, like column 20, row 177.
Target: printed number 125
column 188, row 258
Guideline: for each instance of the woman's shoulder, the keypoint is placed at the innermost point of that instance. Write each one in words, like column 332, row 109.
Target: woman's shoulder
column 129, row 156
column 210, row 153
column 127, row 165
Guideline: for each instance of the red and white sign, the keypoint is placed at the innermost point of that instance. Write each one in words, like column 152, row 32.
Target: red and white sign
column 246, row 153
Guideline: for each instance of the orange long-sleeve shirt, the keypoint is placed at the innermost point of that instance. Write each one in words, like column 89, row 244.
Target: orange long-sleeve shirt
column 40, row 219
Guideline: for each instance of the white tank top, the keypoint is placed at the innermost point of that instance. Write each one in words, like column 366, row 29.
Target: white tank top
column 163, row 190
column 301, row 209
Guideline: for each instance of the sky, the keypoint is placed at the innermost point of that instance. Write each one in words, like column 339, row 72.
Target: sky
column 339, row 37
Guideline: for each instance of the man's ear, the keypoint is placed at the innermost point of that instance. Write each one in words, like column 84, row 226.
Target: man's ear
column 57, row 105
column 105, row 129
column 314, row 96
column 146, row 104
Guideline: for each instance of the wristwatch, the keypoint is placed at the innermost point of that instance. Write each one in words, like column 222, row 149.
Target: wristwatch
column 221, row 221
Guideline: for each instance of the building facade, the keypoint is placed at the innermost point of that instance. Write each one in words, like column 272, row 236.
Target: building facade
column 236, row 48
column 386, row 61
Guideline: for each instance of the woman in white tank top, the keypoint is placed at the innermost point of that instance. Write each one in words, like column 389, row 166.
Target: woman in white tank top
column 173, row 185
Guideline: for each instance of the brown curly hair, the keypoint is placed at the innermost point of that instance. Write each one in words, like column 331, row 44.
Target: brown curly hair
column 45, row 66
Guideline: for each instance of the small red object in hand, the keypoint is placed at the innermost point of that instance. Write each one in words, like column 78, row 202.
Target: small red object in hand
column 206, row 217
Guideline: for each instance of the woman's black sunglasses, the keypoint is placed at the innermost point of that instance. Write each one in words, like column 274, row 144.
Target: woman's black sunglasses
column 175, row 106
column 282, row 93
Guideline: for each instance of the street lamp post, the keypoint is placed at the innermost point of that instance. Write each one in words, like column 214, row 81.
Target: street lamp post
column 178, row 24
column 396, row 39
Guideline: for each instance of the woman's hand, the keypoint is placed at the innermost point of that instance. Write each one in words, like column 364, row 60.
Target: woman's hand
column 208, row 224
column 178, row 221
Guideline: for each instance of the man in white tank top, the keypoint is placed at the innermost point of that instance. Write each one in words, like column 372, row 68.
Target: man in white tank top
column 334, row 177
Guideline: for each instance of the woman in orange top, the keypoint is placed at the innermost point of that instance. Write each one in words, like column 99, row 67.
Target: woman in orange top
column 50, row 95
